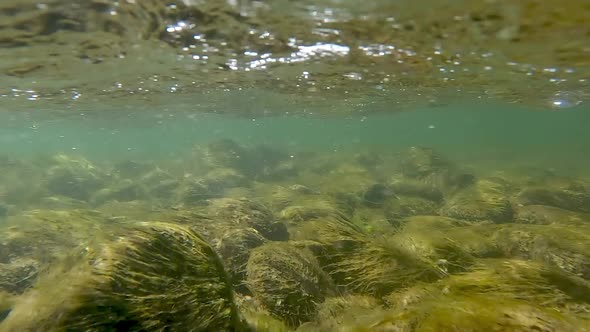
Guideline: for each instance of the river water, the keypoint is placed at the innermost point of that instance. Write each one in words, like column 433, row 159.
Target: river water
column 294, row 165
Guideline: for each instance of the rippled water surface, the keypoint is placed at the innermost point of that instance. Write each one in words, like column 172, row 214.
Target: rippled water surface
column 286, row 165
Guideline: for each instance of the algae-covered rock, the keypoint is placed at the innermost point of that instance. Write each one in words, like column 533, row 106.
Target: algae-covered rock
column 574, row 197
column 248, row 213
column 524, row 280
column 560, row 246
column 155, row 277
column 342, row 313
column 376, row 194
column 128, row 169
column 475, row 313
column 296, row 203
column 124, row 191
column 379, row 267
column 132, row 210
column 46, row 236
column 220, row 179
column 160, row 184
column 18, row 275
column 362, row 264
column 224, row 153
column 431, row 168
column 498, row 295
column 234, row 248
column 452, row 243
column 401, row 207
column 196, row 191
column 419, row 162
column 287, row 281
column 311, row 209
column 372, row 221
column 416, row 188
column 544, row 215
column 61, row 203
column 257, row 318
column 335, row 236
column 77, row 178
column 484, row 200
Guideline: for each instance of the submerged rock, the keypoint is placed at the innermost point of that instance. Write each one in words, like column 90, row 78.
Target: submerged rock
column 426, row 165
column 484, row 200
column 74, row 177
column 220, row 179
column 341, row 313
column 156, row 277
column 416, row 188
column 287, row 281
column 474, row 313
column 245, row 212
column 377, row 194
column 560, row 246
column 544, row 215
column 131, row 169
column 225, row 153
column 123, row 191
column 574, row 197
column 18, row 275
column 359, row 263
column 234, row 247
column 195, row 192
column 46, row 236
column 399, row 208
column 455, row 242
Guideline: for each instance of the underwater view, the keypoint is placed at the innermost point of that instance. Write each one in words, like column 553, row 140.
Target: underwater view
column 278, row 165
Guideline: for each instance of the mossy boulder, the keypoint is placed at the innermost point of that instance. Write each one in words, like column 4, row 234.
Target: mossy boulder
column 46, row 236
column 234, row 248
column 225, row 153
column 362, row 264
column 456, row 241
column 154, row 277
column 195, row 191
column 405, row 186
column 574, row 196
column 343, row 313
column 401, row 207
column 72, row 177
column 247, row 213
column 499, row 295
column 287, row 281
column 18, row 275
column 557, row 245
column 486, row 200
column 475, row 313
column 297, row 202
column 432, row 169
column 124, row 191
column 545, row 215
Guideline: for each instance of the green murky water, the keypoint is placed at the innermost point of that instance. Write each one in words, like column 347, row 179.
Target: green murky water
column 294, row 166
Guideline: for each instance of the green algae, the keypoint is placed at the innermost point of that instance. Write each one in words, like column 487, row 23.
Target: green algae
column 135, row 283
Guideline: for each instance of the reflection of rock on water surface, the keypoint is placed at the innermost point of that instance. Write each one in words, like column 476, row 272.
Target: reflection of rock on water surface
column 500, row 49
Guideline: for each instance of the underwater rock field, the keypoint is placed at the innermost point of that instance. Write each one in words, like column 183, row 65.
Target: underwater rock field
column 248, row 238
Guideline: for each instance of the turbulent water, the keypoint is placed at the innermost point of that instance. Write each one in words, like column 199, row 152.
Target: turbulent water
column 294, row 165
